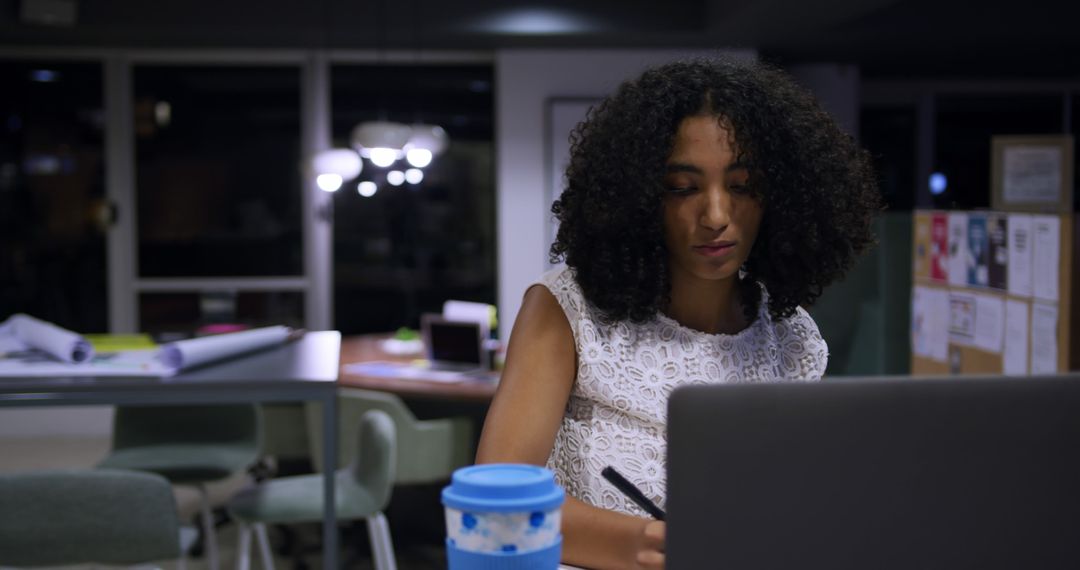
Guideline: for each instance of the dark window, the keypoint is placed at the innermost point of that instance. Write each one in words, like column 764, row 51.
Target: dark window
column 52, row 194
column 409, row 248
column 179, row 314
column 888, row 133
column 218, row 180
column 965, row 125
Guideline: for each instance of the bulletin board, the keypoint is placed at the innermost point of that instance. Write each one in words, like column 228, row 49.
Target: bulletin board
column 993, row 293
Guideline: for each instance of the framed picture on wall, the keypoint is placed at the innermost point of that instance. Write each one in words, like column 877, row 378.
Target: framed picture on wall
column 1032, row 173
column 561, row 115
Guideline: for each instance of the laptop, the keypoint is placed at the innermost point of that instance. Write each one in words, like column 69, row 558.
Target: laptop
column 945, row 473
column 453, row 345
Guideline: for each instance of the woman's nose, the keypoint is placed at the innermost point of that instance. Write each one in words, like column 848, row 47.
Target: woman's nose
column 716, row 211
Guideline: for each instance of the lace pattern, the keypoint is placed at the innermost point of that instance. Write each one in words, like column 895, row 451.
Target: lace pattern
column 617, row 408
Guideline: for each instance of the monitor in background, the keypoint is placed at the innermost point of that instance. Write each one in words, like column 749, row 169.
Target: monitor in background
column 972, row 472
column 454, row 345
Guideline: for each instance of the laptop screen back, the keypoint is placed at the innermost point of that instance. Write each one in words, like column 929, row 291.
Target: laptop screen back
column 885, row 474
column 456, row 342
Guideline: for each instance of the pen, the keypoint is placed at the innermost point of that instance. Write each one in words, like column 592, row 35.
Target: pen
column 632, row 492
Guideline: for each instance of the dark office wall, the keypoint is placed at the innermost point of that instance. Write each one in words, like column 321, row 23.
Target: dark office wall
column 347, row 23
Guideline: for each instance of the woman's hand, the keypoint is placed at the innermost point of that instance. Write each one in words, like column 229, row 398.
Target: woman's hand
column 650, row 554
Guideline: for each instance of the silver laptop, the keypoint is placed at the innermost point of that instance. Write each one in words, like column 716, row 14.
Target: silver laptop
column 454, row 346
column 970, row 472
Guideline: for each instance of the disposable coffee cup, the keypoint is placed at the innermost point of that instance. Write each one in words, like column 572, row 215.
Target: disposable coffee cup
column 503, row 516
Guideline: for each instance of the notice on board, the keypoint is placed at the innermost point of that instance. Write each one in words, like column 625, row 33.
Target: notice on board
column 961, row 319
column 1044, row 324
column 1019, row 243
column 989, row 322
column 929, row 325
column 1046, row 256
column 1032, row 174
column 958, row 249
column 1015, row 358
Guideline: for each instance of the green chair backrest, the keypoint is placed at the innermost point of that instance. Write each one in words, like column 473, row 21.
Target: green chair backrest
column 99, row 516
column 376, row 456
column 427, row 450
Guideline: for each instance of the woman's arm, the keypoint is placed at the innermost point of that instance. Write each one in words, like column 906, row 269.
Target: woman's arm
column 541, row 364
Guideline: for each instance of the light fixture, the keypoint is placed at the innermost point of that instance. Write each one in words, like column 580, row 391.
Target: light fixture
column 938, row 183
column 395, row 177
column 371, row 135
column 367, row 188
column 431, row 138
column 414, row 175
column 385, row 142
column 419, row 157
column 381, row 156
column 343, row 162
column 329, row 182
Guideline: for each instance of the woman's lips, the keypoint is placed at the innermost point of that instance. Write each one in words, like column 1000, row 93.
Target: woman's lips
column 718, row 249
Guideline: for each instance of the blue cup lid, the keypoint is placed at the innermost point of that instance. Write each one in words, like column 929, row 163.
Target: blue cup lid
column 503, row 487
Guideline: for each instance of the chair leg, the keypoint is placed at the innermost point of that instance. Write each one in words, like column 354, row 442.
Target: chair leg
column 264, row 546
column 382, row 548
column 243, row 547
column 209, row 534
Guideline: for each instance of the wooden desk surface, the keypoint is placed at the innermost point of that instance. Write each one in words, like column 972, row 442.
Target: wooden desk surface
column 366, row 348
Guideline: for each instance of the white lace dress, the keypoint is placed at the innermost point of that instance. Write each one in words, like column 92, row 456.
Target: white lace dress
column 618, row 406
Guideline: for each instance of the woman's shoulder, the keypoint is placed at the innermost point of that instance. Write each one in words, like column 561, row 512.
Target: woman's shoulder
column 563, row 286
column 800, row 342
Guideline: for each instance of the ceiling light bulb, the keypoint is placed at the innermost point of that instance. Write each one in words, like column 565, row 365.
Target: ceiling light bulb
column 419, row 157
column 380, row 134
column 329, row 182
column 383, row 156
column 414, row 175
column 395, row 177
column 938, row 183
column 341, row 161
column 367, row 188
column 430, row 137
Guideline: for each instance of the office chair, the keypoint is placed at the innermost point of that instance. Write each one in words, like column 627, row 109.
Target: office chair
column 428, row 450
column 362, row 492
column 51, row 518
column 188, row 445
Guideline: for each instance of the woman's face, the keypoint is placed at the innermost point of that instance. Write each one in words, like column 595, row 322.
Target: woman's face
column 710, row 216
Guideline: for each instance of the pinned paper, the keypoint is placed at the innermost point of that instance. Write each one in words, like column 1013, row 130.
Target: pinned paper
column 1019, row 243
column 921, row 268
column 962, row 319
column 998, row 260
column 1032, row 174
column 1015, row 357
column 929, row 326
column 1044, row 322
column 939, row 247
column 958, row 249
column 978, row 253
column 1046, row 253
column 989, row 322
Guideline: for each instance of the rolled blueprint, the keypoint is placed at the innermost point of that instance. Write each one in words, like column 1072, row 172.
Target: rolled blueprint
column 188, row 353
column 60, row 343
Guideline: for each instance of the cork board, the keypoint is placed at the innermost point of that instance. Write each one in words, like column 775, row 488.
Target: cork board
column 961, row 356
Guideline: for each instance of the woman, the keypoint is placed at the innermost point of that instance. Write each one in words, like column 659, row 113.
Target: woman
column 706, row 203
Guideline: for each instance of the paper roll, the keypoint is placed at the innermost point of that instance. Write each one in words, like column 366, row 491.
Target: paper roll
column 188, row 353
column 60, row 343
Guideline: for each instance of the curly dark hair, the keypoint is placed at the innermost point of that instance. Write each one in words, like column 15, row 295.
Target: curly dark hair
column 817, row 186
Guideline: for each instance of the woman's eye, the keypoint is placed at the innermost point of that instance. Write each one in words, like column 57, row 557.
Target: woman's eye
column 739, row 188
column 681, row 189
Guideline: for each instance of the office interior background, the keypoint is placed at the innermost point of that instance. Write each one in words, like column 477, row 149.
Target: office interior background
column 152, row 162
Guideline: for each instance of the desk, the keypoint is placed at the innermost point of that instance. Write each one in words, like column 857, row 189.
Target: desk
column 305, row 370
column 366, row 348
